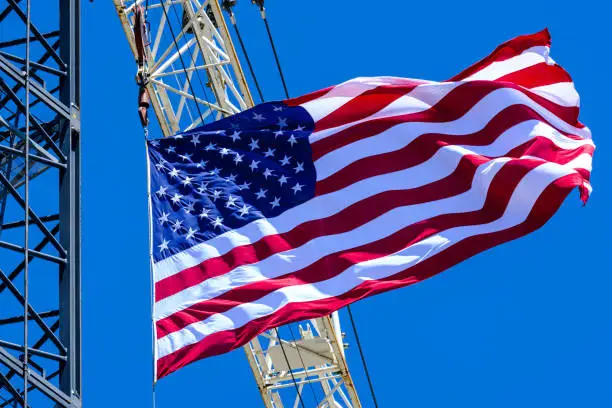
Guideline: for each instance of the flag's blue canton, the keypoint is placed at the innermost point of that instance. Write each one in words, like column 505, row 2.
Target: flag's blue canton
column 224, row 175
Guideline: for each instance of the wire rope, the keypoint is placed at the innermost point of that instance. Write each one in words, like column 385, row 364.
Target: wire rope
column 363, row 360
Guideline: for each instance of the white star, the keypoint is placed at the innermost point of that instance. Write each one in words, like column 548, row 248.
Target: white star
column 204, row 213
column 261, row 193
column 176, row 198
column 267, row 173
column 285, row 160
column 254, row 165
column 282, row 122
column 185, row 157
column 211, row 146
column 164, row 218
column 202, row 164
column 231, row 201
column 216, row 194
column 154, row 143
column 269, row 152
column 162, row 191
column 202, row 188
column 258, row 117
column 275, row 202
column 299, row 128
column 278, row 109
column 171, row 149
column 282, row 179
column 299, row 167
column 244, row 210
column 195, row 139
column 189, row 208
column 190, row 233
column 254, row 144
column 187, row 181
column 244, row 186
column 164, row 246
column 177, row 224
column 278, row 133
column 235, row 136
column 238, row 158
column 174, row 173
column 297, row 187
column 218, row 222
column 160, row 166
column 231, row 178
column 214, row 172
column 224, row 151
column 292, row 140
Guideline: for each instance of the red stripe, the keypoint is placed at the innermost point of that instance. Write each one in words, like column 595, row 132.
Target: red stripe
column 497, row 198
column 308, row 97
column 537, row 75
column 423, row 148
column 546, row 149
column 364, row 105
column 452, row 107
column 222, row 342
column 507, row 50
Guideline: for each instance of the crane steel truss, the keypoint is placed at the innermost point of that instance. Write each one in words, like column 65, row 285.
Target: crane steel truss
column 40, row 305
column 180, row 97
column 191, row 67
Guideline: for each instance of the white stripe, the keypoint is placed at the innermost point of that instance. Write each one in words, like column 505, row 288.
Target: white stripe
column 562, row 93
column 519, row 207
column 419, row 99
column 346, row 91
column 297, row 258
column 402, row 134
column 530, row 57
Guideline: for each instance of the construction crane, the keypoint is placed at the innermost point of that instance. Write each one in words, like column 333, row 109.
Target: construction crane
column 189, row 73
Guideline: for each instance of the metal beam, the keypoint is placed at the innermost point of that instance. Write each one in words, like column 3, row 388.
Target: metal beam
column 70, row 202
column 37, row 380
column 36, row 89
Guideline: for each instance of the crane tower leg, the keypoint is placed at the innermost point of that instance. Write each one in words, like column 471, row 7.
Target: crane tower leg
column 40, row 268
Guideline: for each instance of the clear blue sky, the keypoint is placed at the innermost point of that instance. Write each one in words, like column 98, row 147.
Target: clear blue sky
column 525, row 324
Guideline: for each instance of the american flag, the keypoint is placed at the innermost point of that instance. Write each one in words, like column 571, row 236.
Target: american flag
column 294, row 209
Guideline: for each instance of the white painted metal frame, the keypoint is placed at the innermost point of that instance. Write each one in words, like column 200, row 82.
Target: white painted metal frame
column 317, row 357
column 211, row 67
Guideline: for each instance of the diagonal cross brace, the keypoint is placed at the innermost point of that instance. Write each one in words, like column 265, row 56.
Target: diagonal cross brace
column 12, row 95
column 16, row 395
column 32, row 214
column 34, row 314
column 41, row 245
column 37, row 33
column 37, row 380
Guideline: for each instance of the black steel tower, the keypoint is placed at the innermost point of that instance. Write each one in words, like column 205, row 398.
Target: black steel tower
column 40, row 265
